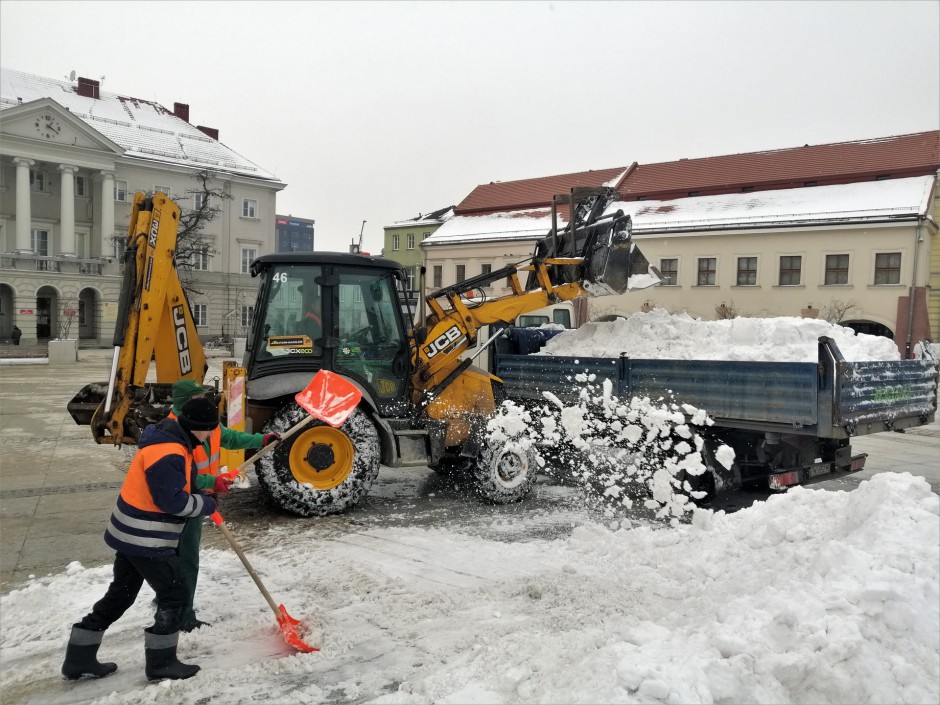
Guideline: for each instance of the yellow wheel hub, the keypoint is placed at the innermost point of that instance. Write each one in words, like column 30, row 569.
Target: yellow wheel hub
column 322, row 457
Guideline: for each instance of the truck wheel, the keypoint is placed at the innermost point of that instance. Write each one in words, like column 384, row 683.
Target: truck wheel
column 505, row 473
column 320, row 470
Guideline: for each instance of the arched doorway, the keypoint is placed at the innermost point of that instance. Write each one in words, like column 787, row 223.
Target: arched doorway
column 47, row 313
column 7, row 314
column 869, row 328
column 88, row 315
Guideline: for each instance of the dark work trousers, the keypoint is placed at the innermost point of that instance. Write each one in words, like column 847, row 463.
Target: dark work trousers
column 130, row 572
column 189, row 564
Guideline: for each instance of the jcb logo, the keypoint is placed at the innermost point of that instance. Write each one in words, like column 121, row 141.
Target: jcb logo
column 154, row 227
column 182, row 340
column 442, row 342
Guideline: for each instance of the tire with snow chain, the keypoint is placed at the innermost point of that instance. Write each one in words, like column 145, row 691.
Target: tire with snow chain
column 505, row 472
column 320, row 470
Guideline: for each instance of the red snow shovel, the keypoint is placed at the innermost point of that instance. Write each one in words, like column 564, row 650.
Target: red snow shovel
column 329, row 397
column 287, row 623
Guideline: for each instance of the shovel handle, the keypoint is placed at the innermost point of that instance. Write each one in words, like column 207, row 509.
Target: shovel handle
column 269, row 448
column 220, row 524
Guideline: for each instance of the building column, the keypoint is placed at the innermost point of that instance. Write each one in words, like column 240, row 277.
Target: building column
column 67, row 211
column 107, row 212
column 24, row 218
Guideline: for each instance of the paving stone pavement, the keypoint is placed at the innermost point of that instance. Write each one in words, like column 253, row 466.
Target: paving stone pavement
column 57, row 487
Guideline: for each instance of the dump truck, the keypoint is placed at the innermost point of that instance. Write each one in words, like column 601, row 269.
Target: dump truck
column 422, row 402
column 788, row 423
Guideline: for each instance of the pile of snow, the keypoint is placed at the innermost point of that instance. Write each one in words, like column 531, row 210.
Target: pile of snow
column 662, row 335
column 809, row 597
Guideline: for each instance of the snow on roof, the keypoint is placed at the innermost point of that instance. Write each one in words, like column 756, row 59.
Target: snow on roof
column 821, row 205
column 437, row 217
column 145, row 129
column 512, row 225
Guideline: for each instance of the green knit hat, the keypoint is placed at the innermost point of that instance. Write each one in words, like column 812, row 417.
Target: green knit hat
column 183, row 391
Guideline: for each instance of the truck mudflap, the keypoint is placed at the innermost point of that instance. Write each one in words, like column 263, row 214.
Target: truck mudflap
column 817, row 472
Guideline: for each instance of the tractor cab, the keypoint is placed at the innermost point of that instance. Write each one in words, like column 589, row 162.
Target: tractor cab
column 332, row 311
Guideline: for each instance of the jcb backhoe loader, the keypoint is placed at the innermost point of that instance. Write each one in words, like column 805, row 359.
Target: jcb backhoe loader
column 421, row 403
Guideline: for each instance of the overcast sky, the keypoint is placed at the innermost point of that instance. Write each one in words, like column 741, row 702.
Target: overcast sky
column 381, row 111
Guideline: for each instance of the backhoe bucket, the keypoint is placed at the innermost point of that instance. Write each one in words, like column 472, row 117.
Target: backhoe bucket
column 149, row 404
column 613, row 264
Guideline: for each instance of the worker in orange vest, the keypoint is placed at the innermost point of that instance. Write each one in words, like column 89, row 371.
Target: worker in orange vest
column 157, row 499
column 206, row 458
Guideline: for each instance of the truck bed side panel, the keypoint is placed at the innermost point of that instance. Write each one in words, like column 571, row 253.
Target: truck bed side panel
column 763, row 392
column 885, row 393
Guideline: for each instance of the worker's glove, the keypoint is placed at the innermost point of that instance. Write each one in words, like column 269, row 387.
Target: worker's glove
column 269, row 438
column 223, row 483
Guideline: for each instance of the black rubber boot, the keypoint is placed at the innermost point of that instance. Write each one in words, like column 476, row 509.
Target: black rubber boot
column 81, row 656
column 160, row 650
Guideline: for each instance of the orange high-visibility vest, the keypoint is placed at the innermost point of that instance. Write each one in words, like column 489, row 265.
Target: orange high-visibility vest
column 135, row 490
column 207, row 464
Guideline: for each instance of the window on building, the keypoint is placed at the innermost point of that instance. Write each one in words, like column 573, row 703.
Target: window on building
column 248, row 315
column 81, row 186
column 396, row 242
column 199, row 200
column 410, row 278
column 162, row 189
column 888, row 268
column 201, row 259
column 669, row 268
column 39, row 242
column 747, row 271
column 201, row 314
column 37, row 180
column 249, row 208
column 438, row 276
column 411, row 241
column 706, row 271
column 486, row 269
column 249, row 254
column 790, row 270
column 460, row 273
column 426, row 236
column 120, row 190
column 837, row 269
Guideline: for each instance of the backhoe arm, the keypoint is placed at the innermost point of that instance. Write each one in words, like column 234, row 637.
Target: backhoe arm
column 153, row 322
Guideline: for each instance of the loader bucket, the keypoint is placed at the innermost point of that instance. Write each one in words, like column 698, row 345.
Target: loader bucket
column 613, row 264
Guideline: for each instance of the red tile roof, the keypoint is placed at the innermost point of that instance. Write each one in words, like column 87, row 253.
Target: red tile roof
column 530, row 193
column 842, row 162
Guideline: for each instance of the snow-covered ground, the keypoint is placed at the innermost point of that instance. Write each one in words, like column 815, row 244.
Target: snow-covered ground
column 809, row 597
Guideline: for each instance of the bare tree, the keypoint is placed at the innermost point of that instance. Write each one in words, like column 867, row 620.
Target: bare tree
column 726, row 312
column 192, row 246
column 68, row 312
column 837, row 309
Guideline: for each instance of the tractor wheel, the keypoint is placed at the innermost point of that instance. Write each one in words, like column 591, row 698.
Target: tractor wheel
column 320, row 470
column 505, row 473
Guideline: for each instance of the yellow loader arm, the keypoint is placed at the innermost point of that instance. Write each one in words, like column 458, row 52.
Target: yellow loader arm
column 154, row 322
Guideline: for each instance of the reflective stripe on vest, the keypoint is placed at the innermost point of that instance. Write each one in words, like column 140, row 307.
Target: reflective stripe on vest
column 136, row 491
column 207, row 465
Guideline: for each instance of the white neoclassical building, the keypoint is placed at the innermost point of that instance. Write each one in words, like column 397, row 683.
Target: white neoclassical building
column 71, row 158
